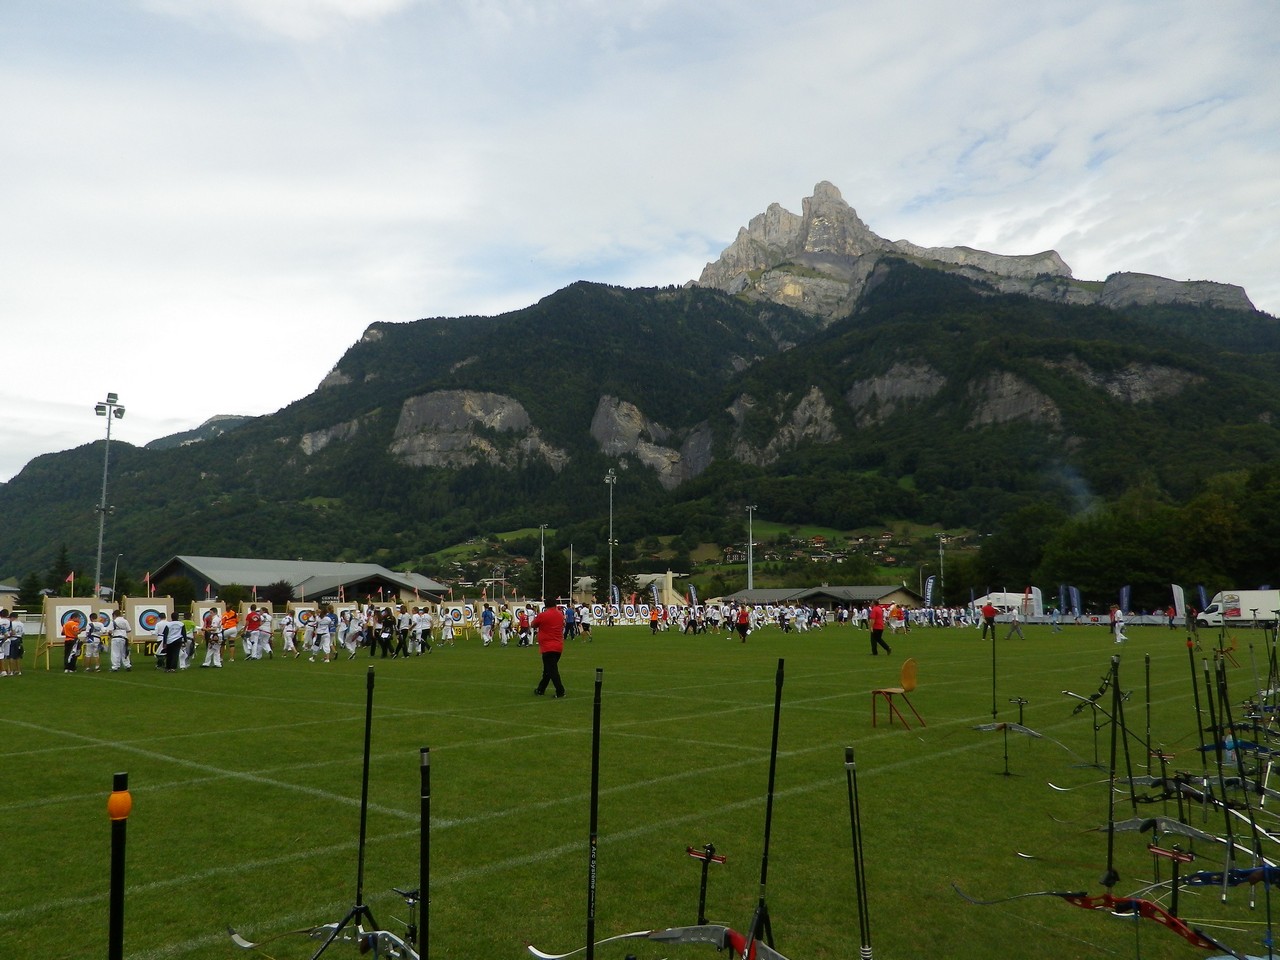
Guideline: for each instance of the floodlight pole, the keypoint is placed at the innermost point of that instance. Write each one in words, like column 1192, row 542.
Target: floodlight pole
column 112, row 410
column 942, row 571
column 114, row 571
column 751, row 578
column 542, row 552
column 611, row 478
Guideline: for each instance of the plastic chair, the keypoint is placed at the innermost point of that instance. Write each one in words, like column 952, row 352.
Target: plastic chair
column 907, row 681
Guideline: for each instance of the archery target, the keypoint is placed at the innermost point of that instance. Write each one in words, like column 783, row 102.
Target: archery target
column 103, row 617
column 76, row 616
column 148, row 618
column 455, row 614
column 644, row 611
column 597, row 611
column 629, row 611
column 306, row 615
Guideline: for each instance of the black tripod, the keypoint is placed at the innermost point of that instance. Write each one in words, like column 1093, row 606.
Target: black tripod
column 359, row 911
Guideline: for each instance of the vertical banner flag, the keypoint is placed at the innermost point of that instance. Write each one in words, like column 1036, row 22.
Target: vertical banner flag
column 1204, row 597
column 928, row 590
column 1179, row 601
column 1062, row 597
column 616, row 593
column 657, row 601
column 1075, row 600
column 1124, row 598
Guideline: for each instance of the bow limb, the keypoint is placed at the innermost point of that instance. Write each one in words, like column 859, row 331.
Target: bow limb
column 314, row 932
column 1148, row 910
column 713, row 934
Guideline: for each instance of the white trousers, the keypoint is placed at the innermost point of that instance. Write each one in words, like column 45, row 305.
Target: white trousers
column 120, row 654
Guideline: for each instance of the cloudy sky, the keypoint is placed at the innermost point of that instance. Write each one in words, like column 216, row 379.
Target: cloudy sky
column 205, row 202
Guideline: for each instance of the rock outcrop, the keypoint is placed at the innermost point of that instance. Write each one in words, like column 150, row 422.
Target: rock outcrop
column 1003, row 397
column 821, row 260
column 460, row 428
column 810, row 419
column 1127, row 289
column 1134, row 383
column 876, row 399
column 621, row 430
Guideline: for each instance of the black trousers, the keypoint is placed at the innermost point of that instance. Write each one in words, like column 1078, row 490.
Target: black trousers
column 551, row 672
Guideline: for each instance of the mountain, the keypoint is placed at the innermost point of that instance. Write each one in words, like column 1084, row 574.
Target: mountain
column 213, row 427
column 821, row 261
column 937, row 390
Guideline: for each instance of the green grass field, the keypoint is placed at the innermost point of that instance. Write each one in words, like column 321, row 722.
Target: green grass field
column 246, row 789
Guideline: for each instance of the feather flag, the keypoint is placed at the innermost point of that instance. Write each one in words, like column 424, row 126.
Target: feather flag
column 1204, row 597
column 1075, row 600
column 928, row 590
column 1124, row 598
column 1062, row 597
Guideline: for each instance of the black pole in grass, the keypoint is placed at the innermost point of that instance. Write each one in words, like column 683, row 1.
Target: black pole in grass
column 595, row 810
column 1195, row 689
column 359, row 910
column 1111, row 878
column 119, row 804
column 859, row 862
column 761, row 928
column 424, row 854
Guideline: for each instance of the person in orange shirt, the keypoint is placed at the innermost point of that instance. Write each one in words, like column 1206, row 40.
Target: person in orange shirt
column 230, row 630
column 654, row 614
column 70, row 644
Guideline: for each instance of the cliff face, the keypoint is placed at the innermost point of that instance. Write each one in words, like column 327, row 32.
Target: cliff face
column 820, row 262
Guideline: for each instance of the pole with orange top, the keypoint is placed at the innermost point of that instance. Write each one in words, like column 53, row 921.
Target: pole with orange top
column 118, row 806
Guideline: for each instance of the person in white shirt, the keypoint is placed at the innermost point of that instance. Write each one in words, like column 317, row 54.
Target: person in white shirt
column 120, row 658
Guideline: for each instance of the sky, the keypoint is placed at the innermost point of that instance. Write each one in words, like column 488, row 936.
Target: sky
column 204, row 203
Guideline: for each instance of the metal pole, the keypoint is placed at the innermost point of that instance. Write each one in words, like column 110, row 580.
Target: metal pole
column 593, row 841
column 118, row 806
column 111, row 410
column 424, row 858
column 610, row 478
column 542, row 552
column 942, row 572
column 751, row 580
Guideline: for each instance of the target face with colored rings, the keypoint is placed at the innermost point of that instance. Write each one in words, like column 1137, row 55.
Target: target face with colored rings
column 74, row 615
column 148, row 619
column 306, row 616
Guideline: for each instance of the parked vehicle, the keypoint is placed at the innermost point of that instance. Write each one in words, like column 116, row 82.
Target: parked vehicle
column 1240, row 606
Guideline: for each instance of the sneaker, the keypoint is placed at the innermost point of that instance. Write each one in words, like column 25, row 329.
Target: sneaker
column 311, row 659
column 559, row 696
column 538, row 693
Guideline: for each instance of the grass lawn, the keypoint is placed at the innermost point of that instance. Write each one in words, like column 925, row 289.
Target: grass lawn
column 246, row 790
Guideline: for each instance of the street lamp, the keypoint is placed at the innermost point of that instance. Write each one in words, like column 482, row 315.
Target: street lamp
column 542, row 551
column 112, row 410
column 611, row 479
column 751, row 579
column 942, row 571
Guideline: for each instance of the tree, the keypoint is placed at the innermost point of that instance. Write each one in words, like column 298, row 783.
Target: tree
column 180, row 588
column 29, row 597
column 58, row 573
column 233, row 594
column 278, row 594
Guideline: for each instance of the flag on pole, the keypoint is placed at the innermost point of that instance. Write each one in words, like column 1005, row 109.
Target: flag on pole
column 928, row 590
column 1075, row 600
column 208, row 591
column 71, row 577
column 1124, row 598
column 146, row 578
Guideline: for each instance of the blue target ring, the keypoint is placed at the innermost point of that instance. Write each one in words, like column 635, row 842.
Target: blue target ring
column 74, row 615
column 148, row 619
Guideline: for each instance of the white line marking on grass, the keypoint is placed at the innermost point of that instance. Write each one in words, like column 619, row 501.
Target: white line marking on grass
column 209, row 768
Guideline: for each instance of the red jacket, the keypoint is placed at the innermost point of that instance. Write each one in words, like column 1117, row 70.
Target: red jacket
column 550, row 626
column 876, row 617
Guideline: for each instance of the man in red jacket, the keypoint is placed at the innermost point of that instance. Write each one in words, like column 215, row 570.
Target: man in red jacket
column 549, row 625
column 875, row 621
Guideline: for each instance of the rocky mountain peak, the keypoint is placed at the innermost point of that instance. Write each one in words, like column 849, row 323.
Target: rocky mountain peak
column 821, row 260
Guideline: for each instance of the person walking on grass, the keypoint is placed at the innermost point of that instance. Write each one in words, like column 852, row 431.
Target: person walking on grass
column 549, row 625
column 875, row 619
column 1015, row 625
column 988, row 612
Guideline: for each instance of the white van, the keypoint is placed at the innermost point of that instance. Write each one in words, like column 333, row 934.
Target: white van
column 1240, row 606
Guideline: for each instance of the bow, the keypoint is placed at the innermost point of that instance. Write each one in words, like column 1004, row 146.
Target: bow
column 384, row 943
column 1120, row 906
column 717, row 935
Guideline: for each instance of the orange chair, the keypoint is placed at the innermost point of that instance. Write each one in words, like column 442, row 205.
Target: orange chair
column 907, row 683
